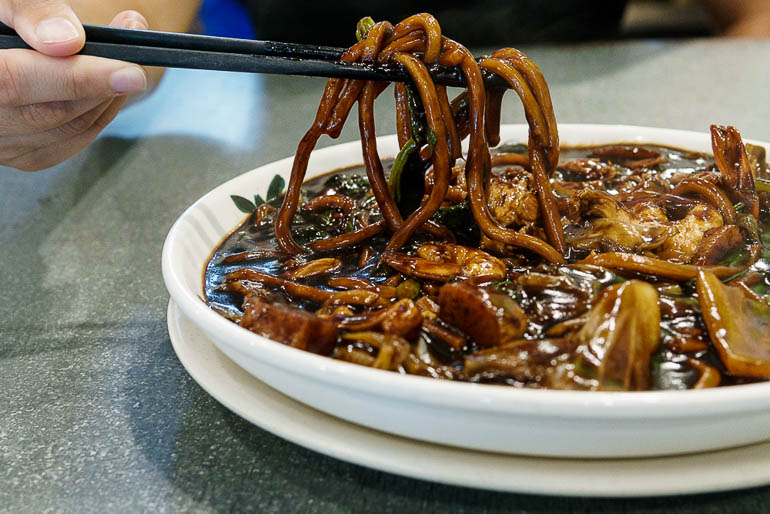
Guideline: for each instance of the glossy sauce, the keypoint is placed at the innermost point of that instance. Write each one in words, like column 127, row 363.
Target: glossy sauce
column 568, row 295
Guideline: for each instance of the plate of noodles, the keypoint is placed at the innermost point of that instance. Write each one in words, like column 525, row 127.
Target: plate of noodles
column 570, row 290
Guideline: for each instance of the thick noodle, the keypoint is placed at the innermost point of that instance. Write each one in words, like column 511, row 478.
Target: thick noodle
column 413, row 43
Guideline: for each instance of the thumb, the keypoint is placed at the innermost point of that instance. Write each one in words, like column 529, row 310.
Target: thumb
column 48, row 26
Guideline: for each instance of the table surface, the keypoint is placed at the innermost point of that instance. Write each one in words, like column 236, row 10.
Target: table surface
column 95, row 409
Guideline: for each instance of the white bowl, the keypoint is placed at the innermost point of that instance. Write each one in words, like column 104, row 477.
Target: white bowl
column 477, row 416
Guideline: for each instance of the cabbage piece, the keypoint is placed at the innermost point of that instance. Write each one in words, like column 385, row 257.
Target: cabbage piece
column 619, row 337
column 739, row 326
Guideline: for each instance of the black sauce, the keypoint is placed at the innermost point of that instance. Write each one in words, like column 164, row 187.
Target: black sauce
column 545, row 307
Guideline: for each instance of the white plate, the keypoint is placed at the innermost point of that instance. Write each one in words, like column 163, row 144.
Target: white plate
column 475, row 416
column 267, row 408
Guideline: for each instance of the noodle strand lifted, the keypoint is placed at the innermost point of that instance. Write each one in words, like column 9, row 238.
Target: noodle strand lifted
column 413, row 43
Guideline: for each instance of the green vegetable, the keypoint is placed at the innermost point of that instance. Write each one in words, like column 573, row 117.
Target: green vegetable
column 671, row 289
column 431, row 140
column 408, row 289
column 455, row 217
column 416, row 114
column 508, row 287
column 762, row 185
column 363, row 27
column 394, row 181
column 735, row 257
column 327, row 219
column 459, row 219
column 354, row 186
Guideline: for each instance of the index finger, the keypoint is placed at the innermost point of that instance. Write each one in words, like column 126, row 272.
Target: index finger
column 28, row 77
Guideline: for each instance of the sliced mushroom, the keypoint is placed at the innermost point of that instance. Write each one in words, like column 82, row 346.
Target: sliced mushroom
column 489, row 318
column 739, row 326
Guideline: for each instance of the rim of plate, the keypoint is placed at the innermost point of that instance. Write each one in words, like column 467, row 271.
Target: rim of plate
column 461, row 395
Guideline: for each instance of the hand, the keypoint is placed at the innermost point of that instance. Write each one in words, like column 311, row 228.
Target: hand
column 54, row 103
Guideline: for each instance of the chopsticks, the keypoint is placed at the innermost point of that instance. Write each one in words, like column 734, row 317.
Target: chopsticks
column 173, row 50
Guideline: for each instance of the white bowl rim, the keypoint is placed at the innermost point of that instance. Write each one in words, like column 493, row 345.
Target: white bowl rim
column 467, row 396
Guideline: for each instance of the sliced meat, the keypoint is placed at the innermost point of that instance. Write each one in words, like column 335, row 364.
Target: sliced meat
column 689, row 232
column 597, row 204
column 649, row 211
column 289, row 325
column 487, row 317
column 611, row 226
column 604, row 234
column 716, row 244
column 512, row 199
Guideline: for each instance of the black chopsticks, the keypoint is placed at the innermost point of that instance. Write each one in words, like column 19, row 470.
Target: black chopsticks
column 173, row 50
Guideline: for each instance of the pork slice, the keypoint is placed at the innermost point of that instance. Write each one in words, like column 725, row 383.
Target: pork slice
column 289, row 325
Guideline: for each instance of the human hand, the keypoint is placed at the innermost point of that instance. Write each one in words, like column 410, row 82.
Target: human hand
column 54, row 103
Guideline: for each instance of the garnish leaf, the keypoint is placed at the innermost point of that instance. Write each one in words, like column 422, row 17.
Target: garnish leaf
column 275, row 188
column 243, row 204
column 258, row 200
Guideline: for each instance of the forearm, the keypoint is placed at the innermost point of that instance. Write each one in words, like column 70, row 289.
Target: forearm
column 743, row 18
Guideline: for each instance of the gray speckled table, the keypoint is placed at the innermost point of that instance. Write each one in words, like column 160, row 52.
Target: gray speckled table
column 96, row 411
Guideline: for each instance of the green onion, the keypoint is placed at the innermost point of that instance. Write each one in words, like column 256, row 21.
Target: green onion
column 363, row 27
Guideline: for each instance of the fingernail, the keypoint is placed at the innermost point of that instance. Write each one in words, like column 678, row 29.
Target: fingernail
column 56, row 30
column 128, row 80
column 137, row 24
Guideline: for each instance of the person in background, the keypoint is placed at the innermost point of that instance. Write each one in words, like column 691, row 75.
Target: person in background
column 54, row 103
